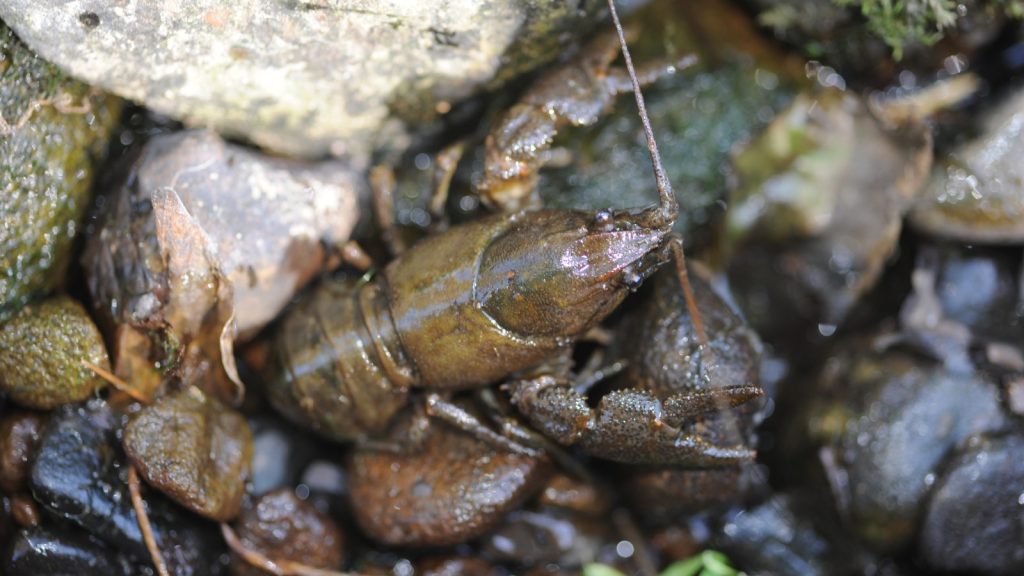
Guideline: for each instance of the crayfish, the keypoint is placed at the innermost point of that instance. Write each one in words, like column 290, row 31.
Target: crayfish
column 479, row 302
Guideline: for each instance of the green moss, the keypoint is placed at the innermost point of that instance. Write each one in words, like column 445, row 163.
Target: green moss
column 902, row 22
column 46, row 167
column 41, row 349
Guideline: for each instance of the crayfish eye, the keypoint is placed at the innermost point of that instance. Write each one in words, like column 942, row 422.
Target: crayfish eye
column 604, row 221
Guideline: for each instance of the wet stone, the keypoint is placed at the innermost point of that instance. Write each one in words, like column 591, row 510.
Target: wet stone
column 890, row 418
column 537, row 537
column 324, row 484
column 280, row 526
column 19, row 437
column 41, row 349
column 568, row 493
column 977, row 193
column 279, row 454
column 780, row 536
column 63, row 551
column 46, row 163
column 193, row 449
column 450, row 490
column 975, row 519
column 80, row 475
column 981, row 287
column 662, row 497
column 24, row 511
column 456, row 566
column 815, row 210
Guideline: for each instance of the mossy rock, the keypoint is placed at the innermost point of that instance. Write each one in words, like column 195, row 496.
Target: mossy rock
column 54, row 131
column 41, row 353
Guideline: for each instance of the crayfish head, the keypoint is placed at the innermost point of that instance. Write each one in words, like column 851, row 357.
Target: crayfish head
column 559, row 273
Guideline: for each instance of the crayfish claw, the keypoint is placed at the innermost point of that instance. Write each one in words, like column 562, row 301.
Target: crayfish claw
column 689, row 405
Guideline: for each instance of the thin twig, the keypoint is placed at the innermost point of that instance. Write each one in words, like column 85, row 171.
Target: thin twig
column 641, row 553
column 276, row 567
column 62, row 103
column 117, row 382
column 144, row 525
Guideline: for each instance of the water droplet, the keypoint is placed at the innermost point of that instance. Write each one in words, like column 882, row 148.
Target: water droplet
column 468, row 203
column 403, row 568
column 624, row 549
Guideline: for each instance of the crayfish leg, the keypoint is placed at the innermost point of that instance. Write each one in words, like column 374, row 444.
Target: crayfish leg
column 454, row 415
column 445, row 164
column 619, row 81
column 382, row 188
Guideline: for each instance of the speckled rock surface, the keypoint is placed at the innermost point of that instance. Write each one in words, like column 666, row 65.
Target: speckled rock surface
column 40, row 353
column 52, row 130
column 284, row 527
column 298, row 76
column 452, row 489
column 194, row 449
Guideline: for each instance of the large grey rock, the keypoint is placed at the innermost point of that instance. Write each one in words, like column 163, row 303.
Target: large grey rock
column 302, row 77
column 205, row 238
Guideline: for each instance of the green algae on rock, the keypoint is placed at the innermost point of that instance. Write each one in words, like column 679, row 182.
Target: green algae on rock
column 41, row 353
column 52, row 131
column 740, row 81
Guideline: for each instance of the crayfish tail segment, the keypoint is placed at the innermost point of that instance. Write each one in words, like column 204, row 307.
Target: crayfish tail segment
column 631, row 426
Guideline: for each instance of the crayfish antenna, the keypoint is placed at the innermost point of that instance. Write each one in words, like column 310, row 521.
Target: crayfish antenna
column 679, row 258
column 668, row 209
